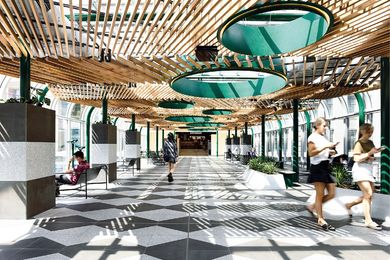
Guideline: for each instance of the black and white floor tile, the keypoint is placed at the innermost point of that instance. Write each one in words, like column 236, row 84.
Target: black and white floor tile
column 206, row 213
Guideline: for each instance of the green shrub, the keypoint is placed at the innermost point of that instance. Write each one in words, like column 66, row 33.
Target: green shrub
column 263, row 164
column 269, row 167
column 343, row 178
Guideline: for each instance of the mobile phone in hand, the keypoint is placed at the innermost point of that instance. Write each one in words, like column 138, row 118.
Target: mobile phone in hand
column 380, row 149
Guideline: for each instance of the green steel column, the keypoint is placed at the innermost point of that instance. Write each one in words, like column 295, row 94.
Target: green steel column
column 162, row 138
column 157, row 140
column 217, row 142
column 362, row 108
column 235, row 131
column 104, row 110
column 246, row 128
column 263, row 135
column 133, row 122
column 253, row 143
column 385, row 125
column 116, row 120
column 295, row 160
column 280, row 139
column 228, row 133
column 25, row 72
column 147, row 139
column 308, row 133
column 88, row 134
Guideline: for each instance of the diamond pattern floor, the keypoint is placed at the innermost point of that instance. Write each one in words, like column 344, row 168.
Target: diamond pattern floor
column 206, row 213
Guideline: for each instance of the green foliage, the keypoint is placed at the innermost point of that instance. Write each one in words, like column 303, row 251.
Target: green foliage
column 34, row 99
column 263, row 164
column 109, row 121
column 343, row 178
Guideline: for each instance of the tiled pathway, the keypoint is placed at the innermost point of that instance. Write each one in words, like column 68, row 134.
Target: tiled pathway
column 205, row 214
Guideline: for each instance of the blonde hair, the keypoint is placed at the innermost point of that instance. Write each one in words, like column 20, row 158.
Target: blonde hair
column 319, row 121
column 365, row 128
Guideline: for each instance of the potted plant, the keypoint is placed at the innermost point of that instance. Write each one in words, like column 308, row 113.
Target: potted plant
column 262, row 173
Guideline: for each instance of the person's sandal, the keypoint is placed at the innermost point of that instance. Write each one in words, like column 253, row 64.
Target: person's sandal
column 170, row 177
column 374, row 226
column 327, row 227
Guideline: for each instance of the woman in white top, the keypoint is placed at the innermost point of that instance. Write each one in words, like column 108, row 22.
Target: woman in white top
column 363, row 155
column 319, row 149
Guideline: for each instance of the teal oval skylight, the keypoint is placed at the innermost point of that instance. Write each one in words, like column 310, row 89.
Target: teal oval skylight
column 206, row 124
column 275, row 28
column 229, row 82
column 188, row 119
column 176, row 104
column 217, row 112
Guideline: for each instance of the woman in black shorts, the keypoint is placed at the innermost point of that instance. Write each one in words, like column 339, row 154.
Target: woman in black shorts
column 319, row 149
column 170, row 155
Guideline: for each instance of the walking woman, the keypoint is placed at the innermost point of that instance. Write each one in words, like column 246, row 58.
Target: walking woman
column 363, row 155
column 170, row 155
column 319, row 149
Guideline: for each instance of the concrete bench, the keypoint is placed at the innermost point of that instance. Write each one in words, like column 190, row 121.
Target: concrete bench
column 289, row 176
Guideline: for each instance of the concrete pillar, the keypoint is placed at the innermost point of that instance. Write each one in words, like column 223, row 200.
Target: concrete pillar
column 133, row 147
column 27, row 159
column 245, row 147
column 103, row 149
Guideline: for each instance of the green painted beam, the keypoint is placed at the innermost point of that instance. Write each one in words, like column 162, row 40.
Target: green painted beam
column 295, row 158
column 147, row 139
column 235, row 132
column 88, row 134
column 246, row 128
column 104, row 110
column 25, row 73
column 162, row 138
column 133, row 122
column 253, row 143
column 362, row 108
column 280, row 146
column 157, row 152
column 116, row 120
column 308, row 133
column 263, row 135
column 217, row 142
column 385, row 125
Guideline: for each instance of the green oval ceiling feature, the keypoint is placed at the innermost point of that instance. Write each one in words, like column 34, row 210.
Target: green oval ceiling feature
column 275, row 28
column 188, row 119
column 206, row 124
column 229, row 82
column 217, row 112
column 176, row 104
column 201, row 130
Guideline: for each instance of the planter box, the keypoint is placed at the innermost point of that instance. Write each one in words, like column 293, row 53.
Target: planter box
column 334, row 209
column 261, row 181
column 27, row 149
column 103, row 148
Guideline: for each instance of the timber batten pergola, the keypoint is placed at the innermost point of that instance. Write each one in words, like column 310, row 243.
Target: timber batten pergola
column 130, row 51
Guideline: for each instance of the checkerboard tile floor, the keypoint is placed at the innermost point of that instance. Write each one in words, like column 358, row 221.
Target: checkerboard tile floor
column 206, row 213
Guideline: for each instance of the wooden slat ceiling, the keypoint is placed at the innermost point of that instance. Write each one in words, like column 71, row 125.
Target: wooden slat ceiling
column 152, row 41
